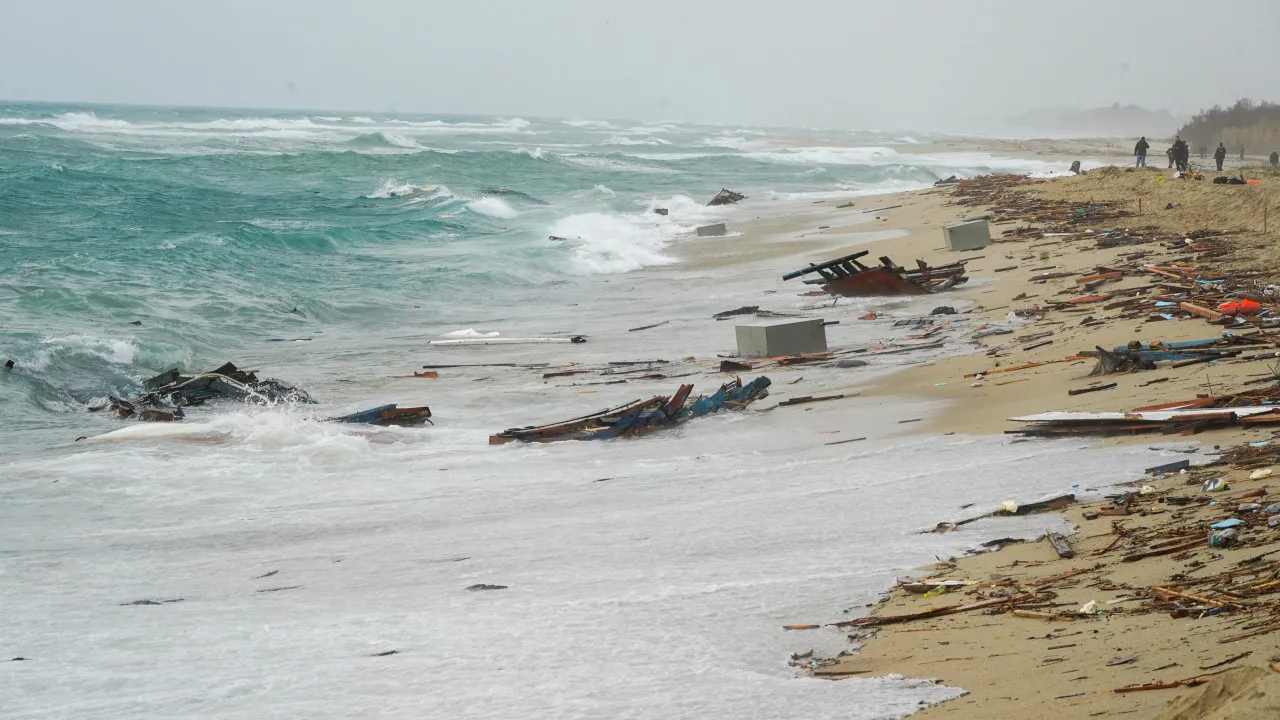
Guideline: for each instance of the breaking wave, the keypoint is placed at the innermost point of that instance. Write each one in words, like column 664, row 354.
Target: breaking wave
column 493, row 207
column 617, row 242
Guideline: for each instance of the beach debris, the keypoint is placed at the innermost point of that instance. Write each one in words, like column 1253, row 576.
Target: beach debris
column 726, row 197
column 387, row 415
column 1060, row 545
column 713, row 230
column 967, row 235
column 482, row 587
column 148, row 409
column 781, row 338
column 1186, row 418
column 847, row 276
column 642, row 416
column 810, row 399
column 227, row 382
column 1172, row 467
column 1093, row 388
column 148, row 601
column 278, row 589
column 947, row 181
column 744, row 310
column 1120, row 361
column 649, row 327
column 385, row 653
column 660, row 211
column 574, row 339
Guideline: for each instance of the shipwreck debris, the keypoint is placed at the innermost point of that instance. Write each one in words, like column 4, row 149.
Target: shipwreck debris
column 726, row 197
column 641, row 416
column 848, row 277
column 387, row 415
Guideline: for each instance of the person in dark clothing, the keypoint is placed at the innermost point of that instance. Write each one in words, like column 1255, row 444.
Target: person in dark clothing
column 1204, row 152
column 1241, row 152
column 1181, row 153
column 1169, row 153
column 1220, row 155
column 1140, row 152
column 1275, row 158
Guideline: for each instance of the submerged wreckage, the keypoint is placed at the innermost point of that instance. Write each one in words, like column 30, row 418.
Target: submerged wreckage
column 848, row 277
column 642, row 416
column 169, row 392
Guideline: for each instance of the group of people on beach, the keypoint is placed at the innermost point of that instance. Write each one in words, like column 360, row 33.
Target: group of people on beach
column 1180, row 154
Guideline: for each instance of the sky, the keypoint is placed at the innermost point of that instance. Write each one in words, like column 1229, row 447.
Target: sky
column 950, row 65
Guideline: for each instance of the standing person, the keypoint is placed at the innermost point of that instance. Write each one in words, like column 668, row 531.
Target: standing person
column 1275, row 158
column 1140, row 151
column 1181, row 153
column 1169, row 153
column 1203, row 152
column 1220, row 155
column 1241, row 152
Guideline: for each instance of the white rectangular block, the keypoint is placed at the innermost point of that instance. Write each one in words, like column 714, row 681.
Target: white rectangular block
column 967, row 236
column 712, row 230
column 781, row 337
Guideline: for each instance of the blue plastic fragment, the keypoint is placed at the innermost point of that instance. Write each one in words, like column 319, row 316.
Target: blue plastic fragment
column 1228, row 523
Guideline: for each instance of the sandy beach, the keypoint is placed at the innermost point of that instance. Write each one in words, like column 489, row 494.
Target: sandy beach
column 1043, row 658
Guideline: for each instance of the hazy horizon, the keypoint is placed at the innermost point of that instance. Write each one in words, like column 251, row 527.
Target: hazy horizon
column 918, row 64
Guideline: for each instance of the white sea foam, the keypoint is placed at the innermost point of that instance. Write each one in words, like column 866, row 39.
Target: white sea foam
column 470, row 333
column 625, row 140
column 594, row 124
column 600, row 162
column 400, row 140
column 320, row 129
column 614, row 242
column 374, row 534
column 113, row 350
column 493, row 207
column 733, row 142
column 941, row 163
column 393, row 188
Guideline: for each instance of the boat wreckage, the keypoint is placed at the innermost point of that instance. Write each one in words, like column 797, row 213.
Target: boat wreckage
column 848, row 277
column 642, row 416
column 169, row 392
column 726, row 197
column 388, row 415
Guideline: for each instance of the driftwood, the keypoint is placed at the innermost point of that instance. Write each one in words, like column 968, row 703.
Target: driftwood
column 934, row 612
column 1060, row 545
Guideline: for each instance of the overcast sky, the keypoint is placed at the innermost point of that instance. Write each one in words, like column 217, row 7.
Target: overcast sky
column 888, row 64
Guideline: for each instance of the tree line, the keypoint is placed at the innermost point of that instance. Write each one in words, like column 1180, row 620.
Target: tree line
column 1256, row 125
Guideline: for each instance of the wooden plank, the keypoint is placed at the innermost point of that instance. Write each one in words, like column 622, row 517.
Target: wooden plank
column 1060, row 545
column 1096, row 388
column 1204, row 312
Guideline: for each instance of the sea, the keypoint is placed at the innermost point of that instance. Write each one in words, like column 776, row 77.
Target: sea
column 276, row 565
